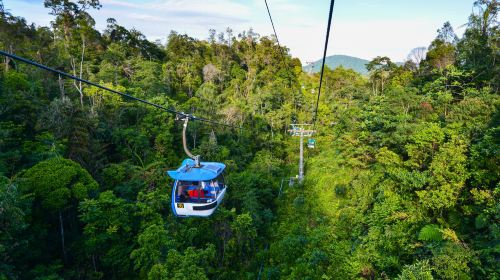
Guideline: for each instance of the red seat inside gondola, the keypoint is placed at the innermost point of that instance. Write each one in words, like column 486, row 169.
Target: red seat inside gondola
column 196, row 194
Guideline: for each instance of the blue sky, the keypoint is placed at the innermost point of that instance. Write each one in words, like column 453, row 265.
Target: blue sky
column 362, row 28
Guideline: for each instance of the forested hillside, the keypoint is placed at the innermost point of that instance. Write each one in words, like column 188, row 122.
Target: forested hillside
column 403, row 182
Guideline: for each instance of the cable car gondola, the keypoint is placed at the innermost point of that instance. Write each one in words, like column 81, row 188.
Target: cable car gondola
column 311, row 143
column 197, row 191
column 198, row 187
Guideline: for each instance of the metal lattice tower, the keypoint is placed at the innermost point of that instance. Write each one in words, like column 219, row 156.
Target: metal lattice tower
column 301, row 130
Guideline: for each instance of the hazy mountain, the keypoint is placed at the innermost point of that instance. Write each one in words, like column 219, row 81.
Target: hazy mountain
column 334, row 61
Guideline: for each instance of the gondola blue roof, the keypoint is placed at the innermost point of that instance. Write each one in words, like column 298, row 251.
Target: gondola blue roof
column 187, row 171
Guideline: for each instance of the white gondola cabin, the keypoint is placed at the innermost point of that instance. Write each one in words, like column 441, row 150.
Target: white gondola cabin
column 198, row 190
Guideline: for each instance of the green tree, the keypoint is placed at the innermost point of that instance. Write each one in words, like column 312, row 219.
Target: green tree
column 108, row 231
column 190, row 264
column 420, row 270
column 478, row 49
column 15, row 209
column 380, row 70
column 154, row 244
column 58, row 185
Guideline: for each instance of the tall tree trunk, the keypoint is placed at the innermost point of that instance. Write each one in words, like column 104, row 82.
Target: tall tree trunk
column 7, row 60
column 78, row 86
column 81, row 69
column 61, row 86
column 93, row 263
column 62, row 236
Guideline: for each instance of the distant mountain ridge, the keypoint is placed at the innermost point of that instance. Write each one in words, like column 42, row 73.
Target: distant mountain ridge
column 334, row 61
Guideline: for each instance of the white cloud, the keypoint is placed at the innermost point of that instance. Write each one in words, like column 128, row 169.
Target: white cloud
column 394, row 38
column 120, row 4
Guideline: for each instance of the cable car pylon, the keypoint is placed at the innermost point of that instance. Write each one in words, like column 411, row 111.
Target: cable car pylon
column 301, row 130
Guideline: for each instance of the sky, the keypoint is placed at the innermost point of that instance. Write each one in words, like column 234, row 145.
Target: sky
column 360, row 28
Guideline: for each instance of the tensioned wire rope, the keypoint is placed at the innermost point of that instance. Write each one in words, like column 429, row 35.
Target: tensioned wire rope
column 64, row 74
column 177, row 113
column 332, row 3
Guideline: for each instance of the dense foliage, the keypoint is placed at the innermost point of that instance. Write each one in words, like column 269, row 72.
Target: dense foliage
column 403, row 184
